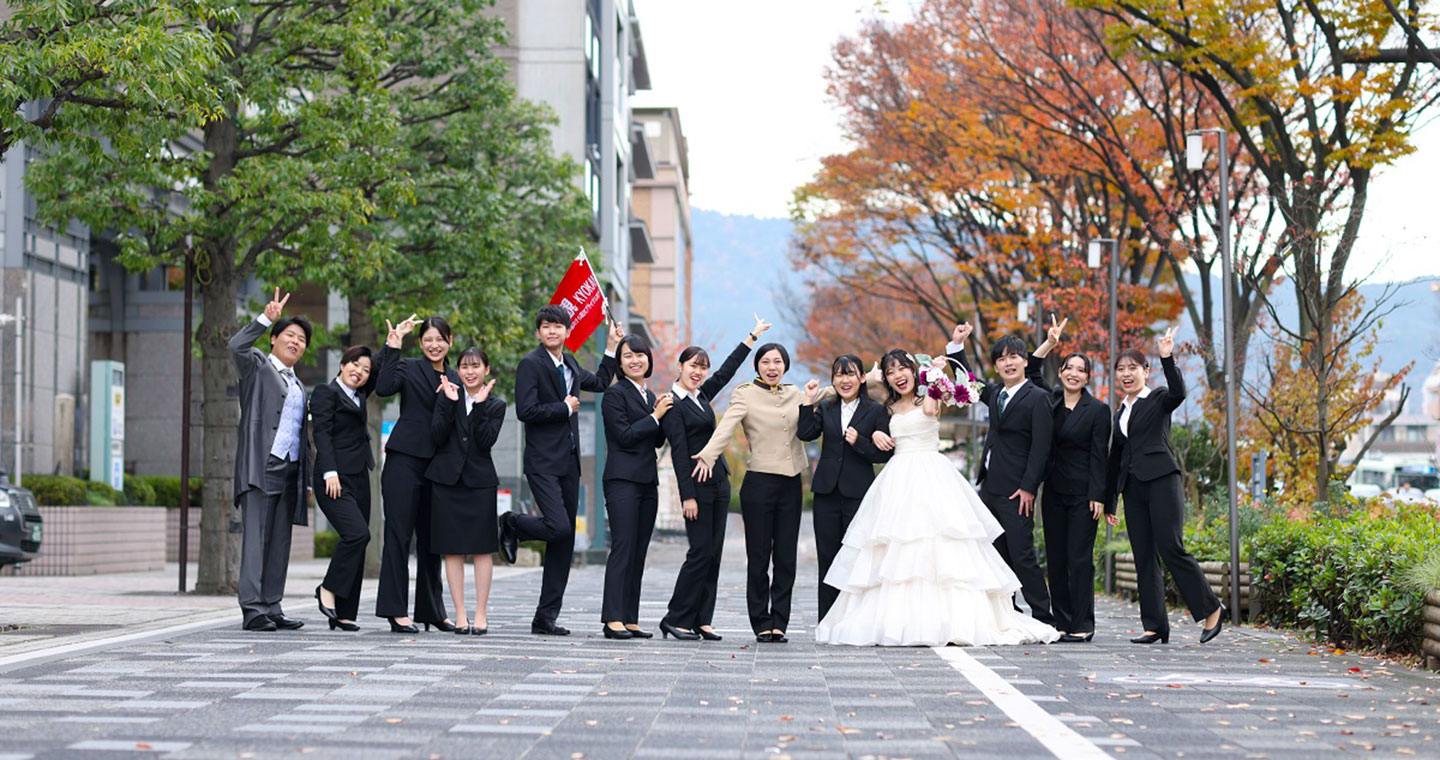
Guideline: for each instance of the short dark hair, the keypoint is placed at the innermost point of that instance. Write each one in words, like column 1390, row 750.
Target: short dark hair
column 1083, row 360
column 1135, row 355
column 440, row 325
column 552, row 313
column 354, row 354
column 849, row 364
column 767, row 348
column 637, row 345
column 700, row 355
column 1007, row 345
column 474, row 352
column 300, row 322
column 896, row 357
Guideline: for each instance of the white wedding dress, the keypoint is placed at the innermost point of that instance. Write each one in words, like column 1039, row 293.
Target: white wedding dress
column 917, row 566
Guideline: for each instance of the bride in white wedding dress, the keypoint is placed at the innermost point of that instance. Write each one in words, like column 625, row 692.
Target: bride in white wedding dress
column 917, row 567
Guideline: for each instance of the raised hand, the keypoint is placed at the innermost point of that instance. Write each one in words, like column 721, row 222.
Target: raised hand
column 1165, row 344
column 760, row 326
column 663, row 403
column 450, row 390
column 484, row 392
column 811, row 388
column 1056, row 330
column 276, row 306
column 961, row 333
column 395, row 334
column 617, row 334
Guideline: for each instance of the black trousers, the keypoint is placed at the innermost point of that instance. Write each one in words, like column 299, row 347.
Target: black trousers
column 832, row 514
column 1070, row 561
column 267, row 525
column 350, row 516
column 630, row 509
column 770, row 505
column 406, row 505
column 558, row 498
column 1155, row 520
column 1017, row 548
column 693, row 602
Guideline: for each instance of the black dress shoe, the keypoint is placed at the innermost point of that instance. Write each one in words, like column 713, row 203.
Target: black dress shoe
column 261, row 623
column 1210, row 633
column 666, row 629
column 708, row 635
column 547, row 628
column 765, row 638
column 444, row 626
column 611, row 633
column 286, row 624
column 1150, row 638
column 639, row 633
column 778, row 638
column 478, row 631
column 1071, row 638
column 342, row 625
column 509, row 542
column 328, row 612
column 460, row 630
column 397, row 628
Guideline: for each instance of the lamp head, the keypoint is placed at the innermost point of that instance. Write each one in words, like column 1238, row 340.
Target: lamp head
column 1093, row 260
column 1194, row 151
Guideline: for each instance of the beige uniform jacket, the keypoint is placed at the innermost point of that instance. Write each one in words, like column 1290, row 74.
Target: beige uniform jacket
column 769, row 417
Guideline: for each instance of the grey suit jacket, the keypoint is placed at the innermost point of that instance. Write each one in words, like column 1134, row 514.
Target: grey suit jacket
column 262, row 399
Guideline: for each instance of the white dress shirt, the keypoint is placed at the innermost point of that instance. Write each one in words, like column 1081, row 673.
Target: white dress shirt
column 354, row 396
column 847, row 412
column 1125, row 410
column 681, row 394
column 564, row 368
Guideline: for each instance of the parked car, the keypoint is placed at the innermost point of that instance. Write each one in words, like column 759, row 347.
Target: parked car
column 1364, row 490
column 21, row 527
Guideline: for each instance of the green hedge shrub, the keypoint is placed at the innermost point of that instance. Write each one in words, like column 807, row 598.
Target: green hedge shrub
column 167, row 489
column 56, row 490
column 138, row 492
column 325, row 541
column 1343, row 577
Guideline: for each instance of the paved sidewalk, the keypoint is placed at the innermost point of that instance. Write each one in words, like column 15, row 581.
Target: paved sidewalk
column 221, row 692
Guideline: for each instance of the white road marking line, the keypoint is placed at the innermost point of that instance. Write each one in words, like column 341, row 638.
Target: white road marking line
column 1061, row 740
column 90, row 645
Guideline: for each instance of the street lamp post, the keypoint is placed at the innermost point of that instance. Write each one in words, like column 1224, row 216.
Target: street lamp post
column 19, row 319
column 1096, row 246
column 1194, row 161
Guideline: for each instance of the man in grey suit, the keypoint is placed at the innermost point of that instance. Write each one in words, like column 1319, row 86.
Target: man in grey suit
column 270, row 460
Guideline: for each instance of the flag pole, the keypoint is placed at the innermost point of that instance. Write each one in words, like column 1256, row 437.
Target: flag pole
column 604, row 301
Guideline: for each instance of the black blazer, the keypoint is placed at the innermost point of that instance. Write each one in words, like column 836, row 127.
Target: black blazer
column 1018, row 442
column 1080, row 446
column 688, row 427
column 552, row 433
column 463, row 442
column 843, row 467
column 416, row 381
column 1146, row 454
column 339, row 431
column 631, row 434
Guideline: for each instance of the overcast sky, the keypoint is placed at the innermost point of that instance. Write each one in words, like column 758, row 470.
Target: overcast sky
column 748, row 77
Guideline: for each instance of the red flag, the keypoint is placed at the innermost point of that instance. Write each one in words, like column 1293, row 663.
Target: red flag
column 580, row 295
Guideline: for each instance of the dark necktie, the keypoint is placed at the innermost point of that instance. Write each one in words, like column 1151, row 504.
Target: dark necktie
column 566, row 390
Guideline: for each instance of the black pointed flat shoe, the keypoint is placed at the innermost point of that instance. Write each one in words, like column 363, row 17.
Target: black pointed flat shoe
column 1210, row 633
column 611, row 633
column 708, row 635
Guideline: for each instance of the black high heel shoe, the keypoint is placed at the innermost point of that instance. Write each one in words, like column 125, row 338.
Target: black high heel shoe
column 443, row 626
column 708, row 635
column 397, row 628
column 479, row 631
column 667, row 630
column 1209, row 633
column 611, row 633
column 1150, row 638
column 461, row 630
column 639, row 633
column 328, row 612
column 342, row 625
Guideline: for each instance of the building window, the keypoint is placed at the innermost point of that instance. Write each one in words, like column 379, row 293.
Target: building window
column 163, row 278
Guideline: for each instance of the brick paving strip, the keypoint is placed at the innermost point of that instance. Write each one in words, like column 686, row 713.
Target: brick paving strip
column 212, row 690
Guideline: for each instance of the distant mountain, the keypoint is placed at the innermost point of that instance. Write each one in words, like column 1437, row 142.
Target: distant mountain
column 741, row 267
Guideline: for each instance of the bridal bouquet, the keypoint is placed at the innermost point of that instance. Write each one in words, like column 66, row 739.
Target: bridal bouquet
column 934, row 383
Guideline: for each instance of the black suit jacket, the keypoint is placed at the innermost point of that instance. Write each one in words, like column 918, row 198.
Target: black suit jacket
column 843, row 467
column 631, row 434
column 1017, row 446
column 463, row 442
column 415, row 380
column 1080, row 447
column 339, row 431
column 688, row 427
column 552, row 433
column 1145, row 452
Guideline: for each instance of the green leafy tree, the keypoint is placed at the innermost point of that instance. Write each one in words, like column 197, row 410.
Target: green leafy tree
column 95, row 68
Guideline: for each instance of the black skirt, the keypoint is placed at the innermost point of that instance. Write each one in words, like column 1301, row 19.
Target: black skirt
column 462, row 520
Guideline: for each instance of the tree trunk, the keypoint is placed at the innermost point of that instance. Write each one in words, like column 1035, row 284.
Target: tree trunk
column 363, row 333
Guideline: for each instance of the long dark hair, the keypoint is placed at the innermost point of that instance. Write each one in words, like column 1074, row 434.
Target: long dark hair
column 1084, row 360
column 892, row 358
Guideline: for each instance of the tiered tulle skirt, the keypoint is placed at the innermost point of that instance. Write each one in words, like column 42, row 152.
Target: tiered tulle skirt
column 918, row 567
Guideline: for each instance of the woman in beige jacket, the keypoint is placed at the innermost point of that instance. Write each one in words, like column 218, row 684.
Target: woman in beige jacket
column 770, row 495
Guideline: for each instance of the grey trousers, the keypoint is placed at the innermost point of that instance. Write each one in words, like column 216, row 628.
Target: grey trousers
column 265, row 549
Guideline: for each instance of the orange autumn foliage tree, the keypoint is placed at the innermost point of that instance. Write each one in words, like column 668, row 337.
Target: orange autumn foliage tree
column 993, row 141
